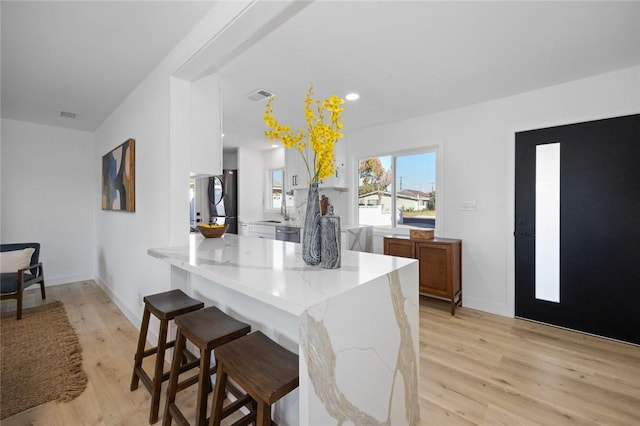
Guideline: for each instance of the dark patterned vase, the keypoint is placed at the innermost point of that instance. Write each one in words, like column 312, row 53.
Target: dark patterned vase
column 311, row 231
column 330, row 240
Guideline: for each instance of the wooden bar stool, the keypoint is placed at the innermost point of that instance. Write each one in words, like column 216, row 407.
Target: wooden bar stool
column 165, row 306
column 207, row 329
column 264, row 369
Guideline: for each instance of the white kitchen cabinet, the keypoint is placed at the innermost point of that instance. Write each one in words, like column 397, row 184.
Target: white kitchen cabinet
column 297, row 176
column 262, row 231
column 244, row 229
column 295, row 172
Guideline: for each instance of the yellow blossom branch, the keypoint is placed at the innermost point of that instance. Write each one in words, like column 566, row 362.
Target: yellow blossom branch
column 321, row 137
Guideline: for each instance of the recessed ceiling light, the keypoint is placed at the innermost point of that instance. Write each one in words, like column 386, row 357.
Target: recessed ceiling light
column 352, row 96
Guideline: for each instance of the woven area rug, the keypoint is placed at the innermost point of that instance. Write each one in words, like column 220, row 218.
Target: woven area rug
column 41, row 359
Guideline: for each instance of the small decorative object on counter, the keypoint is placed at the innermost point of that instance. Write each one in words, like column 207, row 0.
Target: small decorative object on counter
column 330, row 237
column 421, row 234
column 324, row 203
column 213, row 230
column 316, row 146
column 311, row 232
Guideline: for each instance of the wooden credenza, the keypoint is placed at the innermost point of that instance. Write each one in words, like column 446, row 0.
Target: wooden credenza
column 439, row 265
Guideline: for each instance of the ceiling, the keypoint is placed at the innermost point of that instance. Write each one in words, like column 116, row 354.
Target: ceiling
column 405, row 59
column 84, row 57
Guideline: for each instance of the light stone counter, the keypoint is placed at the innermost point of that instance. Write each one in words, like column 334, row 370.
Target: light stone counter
column 354, row 237
column 355, row 328
column 358, row 237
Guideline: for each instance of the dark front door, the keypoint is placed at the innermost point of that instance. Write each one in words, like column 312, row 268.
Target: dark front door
column 588, row 239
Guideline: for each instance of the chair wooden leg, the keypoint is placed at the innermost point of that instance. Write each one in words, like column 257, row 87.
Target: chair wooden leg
column 19, row 305
column 219, row 394
column 44, row 296
column 142, row 339
column 159, row 370
column 264, row 414
column 173, row 378
column 203, row 383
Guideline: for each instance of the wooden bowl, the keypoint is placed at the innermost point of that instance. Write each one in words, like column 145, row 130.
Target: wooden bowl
column 213, row 232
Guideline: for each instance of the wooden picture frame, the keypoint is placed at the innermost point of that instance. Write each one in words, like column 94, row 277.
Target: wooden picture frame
column 119, row 178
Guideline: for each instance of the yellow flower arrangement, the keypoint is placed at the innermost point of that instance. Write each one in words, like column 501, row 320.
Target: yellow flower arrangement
column 320, row 136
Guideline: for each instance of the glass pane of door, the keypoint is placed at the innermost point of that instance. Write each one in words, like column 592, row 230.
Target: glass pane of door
column 547, row 235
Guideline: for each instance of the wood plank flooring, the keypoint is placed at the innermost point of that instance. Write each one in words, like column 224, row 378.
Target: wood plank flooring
column 475, row 369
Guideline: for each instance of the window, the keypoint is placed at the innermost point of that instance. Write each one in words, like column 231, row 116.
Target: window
column 404, row 184
column 277, row 179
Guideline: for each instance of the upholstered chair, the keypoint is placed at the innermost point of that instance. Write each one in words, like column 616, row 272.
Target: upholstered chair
column 20, row 268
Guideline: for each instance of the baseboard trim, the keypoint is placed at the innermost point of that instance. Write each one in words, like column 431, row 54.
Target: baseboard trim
column 152, row 336
column 485, row 306
column 48, row 281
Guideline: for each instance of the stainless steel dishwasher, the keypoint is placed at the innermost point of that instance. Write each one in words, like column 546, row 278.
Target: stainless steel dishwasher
column 288, row 233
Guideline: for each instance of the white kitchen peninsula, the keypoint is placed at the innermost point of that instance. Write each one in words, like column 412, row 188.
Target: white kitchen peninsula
column 355, row 328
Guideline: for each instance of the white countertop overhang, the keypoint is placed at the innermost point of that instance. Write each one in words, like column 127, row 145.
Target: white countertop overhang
column 273, row 271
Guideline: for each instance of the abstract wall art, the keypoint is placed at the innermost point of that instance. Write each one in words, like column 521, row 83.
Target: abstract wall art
column 119, row 178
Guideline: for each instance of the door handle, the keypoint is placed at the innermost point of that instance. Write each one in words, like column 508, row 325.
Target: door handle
column 524, row 234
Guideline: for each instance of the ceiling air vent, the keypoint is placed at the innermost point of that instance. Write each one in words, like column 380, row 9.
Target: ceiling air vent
column 259, row 95
column 67, row 114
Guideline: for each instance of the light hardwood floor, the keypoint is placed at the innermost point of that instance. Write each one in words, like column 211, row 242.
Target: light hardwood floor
column 475, row 368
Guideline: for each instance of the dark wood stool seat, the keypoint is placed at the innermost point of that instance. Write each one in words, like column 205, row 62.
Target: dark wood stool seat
column 166, row 307
column 264, row 369
column 208, row 329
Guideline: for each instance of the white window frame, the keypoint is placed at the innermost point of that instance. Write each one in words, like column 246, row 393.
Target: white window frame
column 438, row 187
column 269, row 189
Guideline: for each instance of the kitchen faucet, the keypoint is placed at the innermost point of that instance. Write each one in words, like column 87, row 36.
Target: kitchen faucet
column 283, row 205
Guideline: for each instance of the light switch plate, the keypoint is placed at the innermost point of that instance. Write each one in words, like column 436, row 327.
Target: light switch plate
column 468, row 205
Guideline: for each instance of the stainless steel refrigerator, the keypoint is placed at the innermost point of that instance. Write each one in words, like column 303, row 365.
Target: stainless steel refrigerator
column 223, row 199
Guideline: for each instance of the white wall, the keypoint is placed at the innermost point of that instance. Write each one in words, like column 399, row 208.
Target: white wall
column 251, row 184
column 205, row 138
column 48, row 196
column 273, row 158
column 476, row 162
column 155, row 114
column 230, row 160
column 122, row 265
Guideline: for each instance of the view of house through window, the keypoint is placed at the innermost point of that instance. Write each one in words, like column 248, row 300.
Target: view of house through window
column 277, row 178
column 404, row 184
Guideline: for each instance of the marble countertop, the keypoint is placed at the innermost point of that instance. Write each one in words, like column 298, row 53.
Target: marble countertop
column 273, row 271
column 291, row 223
column 298, row 224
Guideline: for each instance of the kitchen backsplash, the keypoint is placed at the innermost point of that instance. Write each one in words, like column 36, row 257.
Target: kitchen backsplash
column 338, row 199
